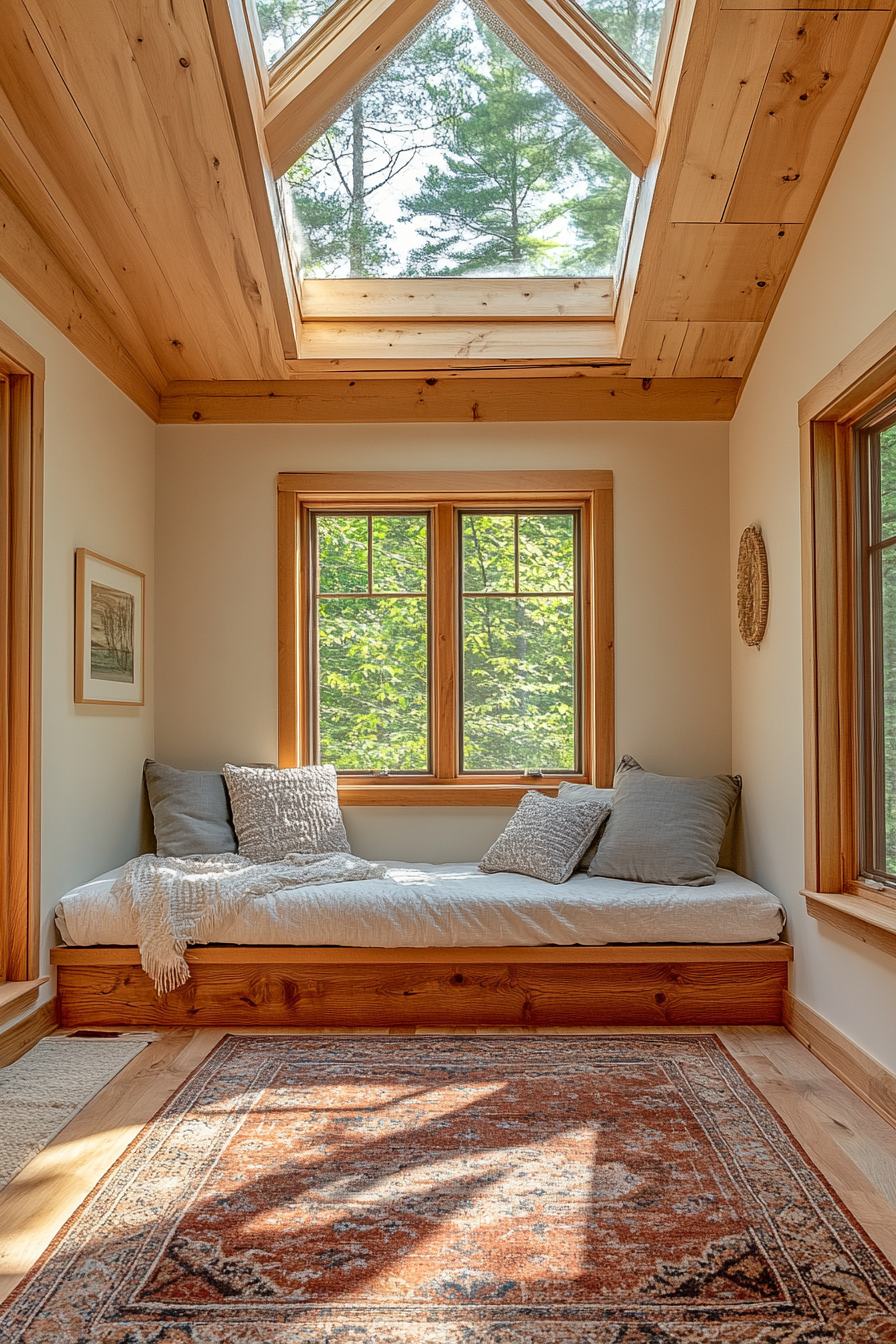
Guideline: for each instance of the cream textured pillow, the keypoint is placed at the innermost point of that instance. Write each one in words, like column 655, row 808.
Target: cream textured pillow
column 544, row 838
column 280, row 812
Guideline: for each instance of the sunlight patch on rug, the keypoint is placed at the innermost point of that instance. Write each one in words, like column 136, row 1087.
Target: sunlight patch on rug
column 461, row 1190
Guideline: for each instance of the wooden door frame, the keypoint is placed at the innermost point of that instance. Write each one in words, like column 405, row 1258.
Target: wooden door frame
column 23, row 372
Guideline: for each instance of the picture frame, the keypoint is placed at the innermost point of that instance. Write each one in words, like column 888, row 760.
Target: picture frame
column 109, row 631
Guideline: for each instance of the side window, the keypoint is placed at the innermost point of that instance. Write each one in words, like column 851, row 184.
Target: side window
column 877, row 643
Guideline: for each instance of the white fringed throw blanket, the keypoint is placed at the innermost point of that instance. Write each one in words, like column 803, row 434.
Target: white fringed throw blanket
column 176, row 902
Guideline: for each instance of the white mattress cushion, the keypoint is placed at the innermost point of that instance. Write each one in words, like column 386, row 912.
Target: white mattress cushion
column 456, row 905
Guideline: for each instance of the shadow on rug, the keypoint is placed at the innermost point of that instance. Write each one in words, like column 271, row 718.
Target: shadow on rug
column 458, row 1190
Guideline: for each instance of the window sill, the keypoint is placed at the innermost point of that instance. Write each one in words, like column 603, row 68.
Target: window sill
column 389, row 794
column 16, row 995
column 856, row 915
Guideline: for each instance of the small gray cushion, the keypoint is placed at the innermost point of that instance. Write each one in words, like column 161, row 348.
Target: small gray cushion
column 545, row 838
column 664, row 828
column 280, row 812
column 190, row 811
column 586, row 793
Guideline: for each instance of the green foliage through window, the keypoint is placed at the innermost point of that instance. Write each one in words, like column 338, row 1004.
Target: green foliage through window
column 458, row 160
column 634, row 25
column 283, row 22
column 372, row 630
column 518, row 641
column 883, row 561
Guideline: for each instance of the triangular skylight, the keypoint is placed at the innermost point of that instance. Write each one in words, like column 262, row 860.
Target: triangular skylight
column 634, row 25
column 283, row 22
column 458, row 160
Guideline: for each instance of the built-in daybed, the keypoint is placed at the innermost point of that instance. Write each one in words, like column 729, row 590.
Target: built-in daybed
column 444, row 945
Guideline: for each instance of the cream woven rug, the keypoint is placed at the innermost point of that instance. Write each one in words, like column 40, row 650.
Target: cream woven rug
column 41, row 1092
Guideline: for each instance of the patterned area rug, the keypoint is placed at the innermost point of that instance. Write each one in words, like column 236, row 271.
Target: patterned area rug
column 461, row 1190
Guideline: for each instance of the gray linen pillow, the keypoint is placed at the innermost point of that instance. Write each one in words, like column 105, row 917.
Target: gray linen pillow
column 586, row 793
column 190, row 811
column 665, row 828
column 280, row 812
column 545, row 838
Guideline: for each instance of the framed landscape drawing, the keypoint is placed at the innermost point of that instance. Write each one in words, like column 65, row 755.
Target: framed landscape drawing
column 108, row 632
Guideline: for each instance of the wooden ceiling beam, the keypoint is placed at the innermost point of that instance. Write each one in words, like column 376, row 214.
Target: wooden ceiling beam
column 609, row 92
column 37, row 273
column 435, row 400
column 315, row 81
column 456, row 369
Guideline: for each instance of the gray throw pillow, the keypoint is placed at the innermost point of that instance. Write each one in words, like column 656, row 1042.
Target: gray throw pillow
column 190, row 811
column 545, row 838
column 280, row 812
column 586, row 793
column 665, row 828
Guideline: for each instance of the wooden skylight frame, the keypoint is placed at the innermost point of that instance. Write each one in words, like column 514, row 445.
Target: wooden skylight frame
column 307, row 88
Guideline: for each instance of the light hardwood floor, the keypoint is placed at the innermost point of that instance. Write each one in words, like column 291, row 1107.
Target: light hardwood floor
column 848, row 1141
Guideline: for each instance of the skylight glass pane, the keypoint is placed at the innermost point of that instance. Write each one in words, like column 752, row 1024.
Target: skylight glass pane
column 634, row 25
column 283, row 22
column 458, row 161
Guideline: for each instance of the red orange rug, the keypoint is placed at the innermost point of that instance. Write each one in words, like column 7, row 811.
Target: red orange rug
column 461, row 1190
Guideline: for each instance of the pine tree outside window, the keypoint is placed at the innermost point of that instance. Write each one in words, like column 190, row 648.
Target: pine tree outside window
column 457, row 160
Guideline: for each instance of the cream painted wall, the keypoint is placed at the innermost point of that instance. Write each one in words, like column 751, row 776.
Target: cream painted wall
column 842, row 287
column 98, row 492
column 216, row 575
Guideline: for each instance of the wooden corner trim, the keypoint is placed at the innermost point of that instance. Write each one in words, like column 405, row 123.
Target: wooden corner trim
column 860, row 918
column 17, row 995
column 24, row 1035
column 863, row 1074
column 872, row 362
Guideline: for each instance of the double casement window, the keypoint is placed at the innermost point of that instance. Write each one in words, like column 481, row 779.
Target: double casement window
column 443, row 634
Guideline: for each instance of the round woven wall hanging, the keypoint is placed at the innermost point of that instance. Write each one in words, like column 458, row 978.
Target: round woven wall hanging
column 752, row 587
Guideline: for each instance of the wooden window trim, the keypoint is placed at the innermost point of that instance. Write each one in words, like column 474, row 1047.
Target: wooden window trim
column 590, row 490
column 22, row 372
column 829, row 415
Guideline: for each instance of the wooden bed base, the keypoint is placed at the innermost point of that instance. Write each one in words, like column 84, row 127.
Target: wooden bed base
column 230, row 986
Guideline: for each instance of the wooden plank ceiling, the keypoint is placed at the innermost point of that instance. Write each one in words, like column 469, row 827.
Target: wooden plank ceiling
column 138, row 212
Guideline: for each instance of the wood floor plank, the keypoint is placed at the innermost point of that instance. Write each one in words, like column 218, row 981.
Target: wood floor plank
column 850, row 1144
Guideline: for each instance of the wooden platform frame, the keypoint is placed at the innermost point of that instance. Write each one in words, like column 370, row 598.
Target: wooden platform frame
column 656, row 985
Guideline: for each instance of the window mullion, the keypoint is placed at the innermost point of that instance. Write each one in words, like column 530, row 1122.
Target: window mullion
column 444, row 635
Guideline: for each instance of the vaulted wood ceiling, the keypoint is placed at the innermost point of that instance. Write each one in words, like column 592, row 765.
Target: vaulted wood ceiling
column 138, row 210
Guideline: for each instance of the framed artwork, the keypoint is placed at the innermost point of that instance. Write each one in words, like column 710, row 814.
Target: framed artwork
column 108, row 631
